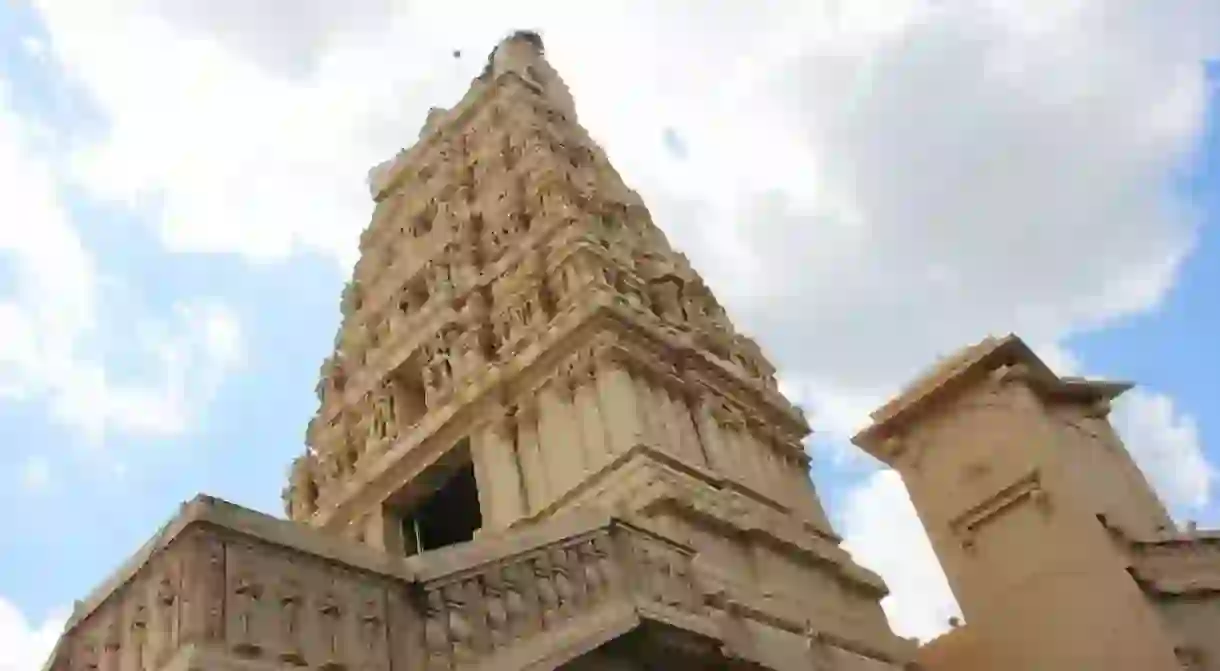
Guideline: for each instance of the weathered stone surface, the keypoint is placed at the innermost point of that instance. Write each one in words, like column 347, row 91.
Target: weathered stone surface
column 231, row 588
column 1059, row 552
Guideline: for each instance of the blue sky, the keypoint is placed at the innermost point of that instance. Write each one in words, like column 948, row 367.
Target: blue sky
column 213, row 222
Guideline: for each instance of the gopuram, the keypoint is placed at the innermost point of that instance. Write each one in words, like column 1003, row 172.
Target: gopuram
column 541, row 444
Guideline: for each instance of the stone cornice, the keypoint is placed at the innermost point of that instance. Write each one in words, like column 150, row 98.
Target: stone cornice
column 1006, row 360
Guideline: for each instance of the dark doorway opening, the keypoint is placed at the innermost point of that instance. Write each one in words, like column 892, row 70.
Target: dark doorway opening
column 448, row 514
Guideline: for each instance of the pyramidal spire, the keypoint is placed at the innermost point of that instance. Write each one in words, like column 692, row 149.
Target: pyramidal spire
column 519, row 340
column 505, row 252
column 522, row 53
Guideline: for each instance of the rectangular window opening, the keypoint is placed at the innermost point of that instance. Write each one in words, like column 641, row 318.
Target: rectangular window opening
column 448, row 512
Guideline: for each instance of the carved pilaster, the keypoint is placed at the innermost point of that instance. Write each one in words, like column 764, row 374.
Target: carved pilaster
column 498, row 472
column 619, row 403
column 587, row 402
column 538, row 490
column 560, row 436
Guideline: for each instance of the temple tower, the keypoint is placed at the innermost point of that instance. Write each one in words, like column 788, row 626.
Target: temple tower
column 520, row 341
column 1027, row 495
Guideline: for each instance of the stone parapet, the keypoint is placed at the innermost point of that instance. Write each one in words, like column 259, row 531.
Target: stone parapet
column 225, row 587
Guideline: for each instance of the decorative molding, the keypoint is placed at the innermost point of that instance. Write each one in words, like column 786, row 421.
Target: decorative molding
column 1028, row 487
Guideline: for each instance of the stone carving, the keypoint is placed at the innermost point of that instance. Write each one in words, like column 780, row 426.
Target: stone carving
column 383, row 426
column 291, row 596
column 438, row 278
column 301, row 495
column 332, row 378
column 248, row 612
column 352, row 298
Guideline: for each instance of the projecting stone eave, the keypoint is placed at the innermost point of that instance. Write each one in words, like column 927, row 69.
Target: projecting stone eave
column 970, row 365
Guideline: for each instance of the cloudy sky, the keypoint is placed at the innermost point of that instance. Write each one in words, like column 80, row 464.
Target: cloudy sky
column 866, row 184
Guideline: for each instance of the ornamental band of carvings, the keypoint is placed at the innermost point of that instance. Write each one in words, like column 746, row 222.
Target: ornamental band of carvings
column 259, row 601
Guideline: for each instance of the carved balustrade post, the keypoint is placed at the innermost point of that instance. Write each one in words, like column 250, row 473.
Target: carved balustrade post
column 498, row 632
column 521, row 600
column 660, row 572
column 436, row 631
column 564, row 587
column 609, row 570
column 548, row 598
column 591, row 571
column 461, row 628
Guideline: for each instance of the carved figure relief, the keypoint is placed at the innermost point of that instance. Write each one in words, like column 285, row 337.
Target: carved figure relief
column 383, row 425
column 665, row 295
column 438, row 371
column 301, row 495
column 291, row 598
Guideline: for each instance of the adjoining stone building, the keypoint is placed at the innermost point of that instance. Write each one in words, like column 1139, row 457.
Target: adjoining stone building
column 1060, row 554
column 541, row 444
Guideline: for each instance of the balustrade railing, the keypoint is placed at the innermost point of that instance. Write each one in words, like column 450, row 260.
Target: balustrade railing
column 477, row 611
column 276, row 592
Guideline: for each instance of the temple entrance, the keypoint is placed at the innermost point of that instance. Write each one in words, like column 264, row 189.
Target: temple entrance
column 447, row 511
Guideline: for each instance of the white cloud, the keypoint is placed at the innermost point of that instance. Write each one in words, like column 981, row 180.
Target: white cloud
column 193, row 353
column 1165, row 443
column 25, row 646
column 33, row 46
column 878, row 518
column 1163, row 440
column 868, row 184
column 850, row 170
column 52, row 321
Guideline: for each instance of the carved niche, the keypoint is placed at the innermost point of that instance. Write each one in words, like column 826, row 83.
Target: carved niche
column 438, row 371
column 383, row 421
